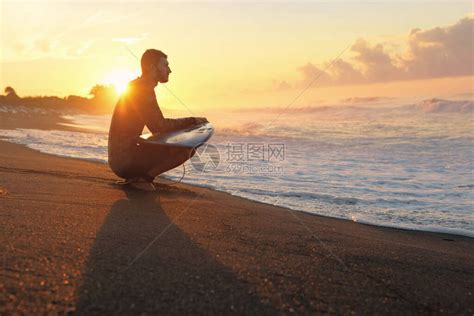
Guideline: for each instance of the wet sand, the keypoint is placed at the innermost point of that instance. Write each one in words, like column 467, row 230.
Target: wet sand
column 73, row 241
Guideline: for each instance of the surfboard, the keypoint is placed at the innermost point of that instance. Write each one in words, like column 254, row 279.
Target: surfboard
column 189, row 138
column 163, row 152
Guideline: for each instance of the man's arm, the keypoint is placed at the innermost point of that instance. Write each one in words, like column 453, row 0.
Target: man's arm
column 184, row 122
column 153, row 118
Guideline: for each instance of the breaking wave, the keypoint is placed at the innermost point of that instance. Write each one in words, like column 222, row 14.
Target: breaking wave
column 446, row 106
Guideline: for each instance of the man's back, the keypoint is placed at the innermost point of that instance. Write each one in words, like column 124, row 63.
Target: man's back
column 127, row 125
column 127, row 120
column 136, row 108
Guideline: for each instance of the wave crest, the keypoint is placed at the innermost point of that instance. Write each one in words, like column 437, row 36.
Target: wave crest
column 446, row 106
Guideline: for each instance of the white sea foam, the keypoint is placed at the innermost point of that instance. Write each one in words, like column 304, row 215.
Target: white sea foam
column 20, row 109
column 89, row 146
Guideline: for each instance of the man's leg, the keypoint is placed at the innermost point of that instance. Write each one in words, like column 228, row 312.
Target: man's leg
column 153, row 160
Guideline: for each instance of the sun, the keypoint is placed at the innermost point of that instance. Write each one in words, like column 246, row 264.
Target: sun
column 119, row 79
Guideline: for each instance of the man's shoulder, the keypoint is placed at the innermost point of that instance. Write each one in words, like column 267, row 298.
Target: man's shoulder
column 139, row 84
column 138, row 94
column 135, row 82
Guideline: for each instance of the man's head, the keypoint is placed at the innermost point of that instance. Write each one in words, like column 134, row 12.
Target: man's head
column 155, row 65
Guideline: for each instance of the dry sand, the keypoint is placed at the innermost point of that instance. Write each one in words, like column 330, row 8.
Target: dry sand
column 73, row 241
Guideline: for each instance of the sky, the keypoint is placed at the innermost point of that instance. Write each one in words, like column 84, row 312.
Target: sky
column 241, row 54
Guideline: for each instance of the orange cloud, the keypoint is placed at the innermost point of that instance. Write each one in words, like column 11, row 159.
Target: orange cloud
column 433, row 53
column 441, row 52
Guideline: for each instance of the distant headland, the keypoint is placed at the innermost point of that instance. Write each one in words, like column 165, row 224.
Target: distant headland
column 101, row 99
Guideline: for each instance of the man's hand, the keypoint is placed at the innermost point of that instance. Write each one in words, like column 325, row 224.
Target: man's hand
column 200, row 120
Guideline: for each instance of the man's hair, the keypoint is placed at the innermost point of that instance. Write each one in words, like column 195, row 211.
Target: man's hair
column 151, row 56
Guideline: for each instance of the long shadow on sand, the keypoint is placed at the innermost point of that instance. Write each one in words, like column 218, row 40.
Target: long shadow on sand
column 173, row 276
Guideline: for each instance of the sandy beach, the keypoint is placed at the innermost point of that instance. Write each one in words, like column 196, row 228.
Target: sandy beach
column 332, row 168
column 73, row 241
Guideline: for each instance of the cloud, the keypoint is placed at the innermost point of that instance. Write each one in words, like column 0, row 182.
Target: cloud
column 343, row 72
column 355, row 100
column 131, row 40
column 441, row 52
column 281, row 85
column 310, row 73
column 432, row 53
column 376, row 64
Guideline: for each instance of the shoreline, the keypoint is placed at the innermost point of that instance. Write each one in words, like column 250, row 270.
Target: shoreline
column 272, row 259
column 445, row 231
column 58, row 122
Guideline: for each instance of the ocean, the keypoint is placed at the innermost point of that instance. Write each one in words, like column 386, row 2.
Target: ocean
column 388, row 162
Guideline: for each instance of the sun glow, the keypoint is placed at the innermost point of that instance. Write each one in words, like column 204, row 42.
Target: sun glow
column 119, row 79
